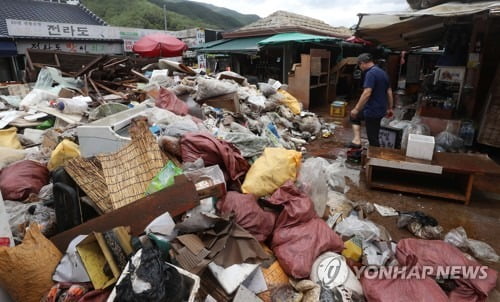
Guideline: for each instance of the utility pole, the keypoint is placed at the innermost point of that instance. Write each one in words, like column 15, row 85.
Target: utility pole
column 165, row 15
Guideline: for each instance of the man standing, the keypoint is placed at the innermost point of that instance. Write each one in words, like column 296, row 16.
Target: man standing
column 373, row 104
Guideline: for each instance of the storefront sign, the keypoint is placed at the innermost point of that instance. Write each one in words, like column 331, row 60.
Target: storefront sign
column 71, row 46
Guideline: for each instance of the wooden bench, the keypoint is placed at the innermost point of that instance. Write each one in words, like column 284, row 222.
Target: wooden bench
column 448, row 175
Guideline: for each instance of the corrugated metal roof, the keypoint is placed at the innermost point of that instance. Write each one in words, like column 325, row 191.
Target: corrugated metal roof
column 45, row 11
column 417, row 28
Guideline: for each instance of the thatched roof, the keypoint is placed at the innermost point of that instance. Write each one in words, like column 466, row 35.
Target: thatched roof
column 282, row 21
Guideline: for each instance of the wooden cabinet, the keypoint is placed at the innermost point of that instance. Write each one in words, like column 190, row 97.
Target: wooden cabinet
column 308, row 80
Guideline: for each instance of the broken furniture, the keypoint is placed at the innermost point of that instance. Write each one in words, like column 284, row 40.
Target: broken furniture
column 309, row 80
column 448, row 175
column 177, row 199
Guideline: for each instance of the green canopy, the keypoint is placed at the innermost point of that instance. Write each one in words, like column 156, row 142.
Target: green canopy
column 241, row 45
column 297, row 37
column 209, row 44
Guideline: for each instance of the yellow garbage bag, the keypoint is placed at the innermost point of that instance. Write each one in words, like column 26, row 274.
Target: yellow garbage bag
column 290, row 101
column 65, row 151
column 272, row 169
column 8, row 138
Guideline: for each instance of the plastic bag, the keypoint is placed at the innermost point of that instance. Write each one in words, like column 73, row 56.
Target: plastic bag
column 415, row 127
column 271, row 170
column 353, row 226
column 181, row 127
column 8, row 138
column 312, row 181
column 29, row 264
column 35, row 97
column 300, row 236
column 447, row 141
column 22, row 178
column 208, row 88
column 149, row 278
column 249, row 144
column 479, row 249
column 290, row 101
column 266, row 89
column 164, row 178
column 438, row 254
column 168, row 100
column 249, row 214
column 64, row 152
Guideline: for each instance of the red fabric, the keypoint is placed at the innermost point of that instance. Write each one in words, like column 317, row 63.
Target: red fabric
column 22, row 178
column 402, row 290
column 439, row 253
column 159, row 45
column 168, row 100
column 249, row 214
column 300, row 236
column 214, row 152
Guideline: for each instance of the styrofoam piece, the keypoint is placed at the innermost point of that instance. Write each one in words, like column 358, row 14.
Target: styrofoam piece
column 420, row 146
column 230, row 278
column 108, row 134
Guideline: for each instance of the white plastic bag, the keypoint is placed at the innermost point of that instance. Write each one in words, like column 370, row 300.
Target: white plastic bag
column 479, row 249
column 353, row 226
column 415, row 127
column 312, row 181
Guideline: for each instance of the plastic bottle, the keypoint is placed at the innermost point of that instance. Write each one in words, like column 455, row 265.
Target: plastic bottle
column 72, row 106
column 467, row 133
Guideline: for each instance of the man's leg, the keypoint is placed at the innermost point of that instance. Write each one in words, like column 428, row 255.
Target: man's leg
column 356, row 129
column 373, row 130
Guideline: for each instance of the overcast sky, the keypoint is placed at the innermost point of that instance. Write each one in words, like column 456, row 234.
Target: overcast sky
column 333, row 12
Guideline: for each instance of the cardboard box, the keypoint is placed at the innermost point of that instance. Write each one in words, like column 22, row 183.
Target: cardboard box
column 95, row 255
column 420, row 146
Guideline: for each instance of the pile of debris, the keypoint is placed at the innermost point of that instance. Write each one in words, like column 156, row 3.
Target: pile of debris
column 196, row 189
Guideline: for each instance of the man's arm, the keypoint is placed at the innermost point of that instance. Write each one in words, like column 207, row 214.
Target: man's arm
column 390, row 98
column 367, row 92
column 390, row 101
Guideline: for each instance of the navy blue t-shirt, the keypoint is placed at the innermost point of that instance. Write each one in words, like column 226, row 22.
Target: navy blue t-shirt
column 378, row 80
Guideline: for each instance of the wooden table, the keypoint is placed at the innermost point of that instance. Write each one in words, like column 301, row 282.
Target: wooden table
column 448, row 175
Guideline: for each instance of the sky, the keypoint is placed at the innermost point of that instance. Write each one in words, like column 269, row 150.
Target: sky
column 333, row 12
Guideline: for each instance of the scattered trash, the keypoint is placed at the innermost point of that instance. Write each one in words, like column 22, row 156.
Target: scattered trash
column 479, row 249
column 385, row 211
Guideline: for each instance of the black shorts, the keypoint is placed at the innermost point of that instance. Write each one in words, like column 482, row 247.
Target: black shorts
column 372, row 125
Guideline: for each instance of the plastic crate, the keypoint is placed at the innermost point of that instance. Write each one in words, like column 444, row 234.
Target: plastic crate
column 338, row 108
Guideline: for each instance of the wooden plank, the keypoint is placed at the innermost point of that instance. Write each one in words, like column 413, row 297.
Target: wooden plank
column 110, row 90
column 418, row 190
column 139, row 75
column 468, row 191
column 56, row 58
column 405, row 165
column 90, row 66
column 177, row 199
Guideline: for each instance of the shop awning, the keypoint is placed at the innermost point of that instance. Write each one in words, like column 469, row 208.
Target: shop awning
column 241, row 45
column 7, row 49
column 417, row 28
column 209, row 44
column 296, row 37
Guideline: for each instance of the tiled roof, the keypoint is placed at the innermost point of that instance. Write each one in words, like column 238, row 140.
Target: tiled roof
column 282, row 21
column 46, row 12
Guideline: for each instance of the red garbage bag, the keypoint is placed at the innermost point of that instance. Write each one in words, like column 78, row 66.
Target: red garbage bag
column 214, row 152
column 437, row 253
column 168, row 100
column 22, row 178
column 402, row 290
column 249, row 214
column 300, row 236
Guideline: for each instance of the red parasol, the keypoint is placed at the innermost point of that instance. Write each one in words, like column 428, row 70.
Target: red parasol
column 357, row 40
column 159, row 45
